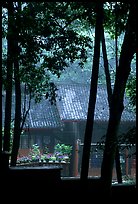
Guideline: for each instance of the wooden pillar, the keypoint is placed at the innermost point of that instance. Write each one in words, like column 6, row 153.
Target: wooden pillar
column 126, row 159
column 76, row 159
column 133, row 167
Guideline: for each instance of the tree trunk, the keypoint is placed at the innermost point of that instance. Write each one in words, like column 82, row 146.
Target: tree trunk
column 116, row 110
column 109, row 94
column 8, row 102
column 17, row 122
column 106, row 69
column 117, row 156
column 1, row 110
column 93, row 93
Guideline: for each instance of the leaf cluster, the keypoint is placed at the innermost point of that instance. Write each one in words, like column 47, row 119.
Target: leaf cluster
column 131, row 91
column 47, row 43
column 115, row 17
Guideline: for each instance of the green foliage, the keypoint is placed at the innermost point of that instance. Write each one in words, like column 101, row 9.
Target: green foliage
column 115, row 17
column 129, row 180
column 131, row 91
column 48, row 42
column 35, row 152
column 63, row 149
column 128, row 138
column 52, row 35
column 61, row 152
column 46, row 150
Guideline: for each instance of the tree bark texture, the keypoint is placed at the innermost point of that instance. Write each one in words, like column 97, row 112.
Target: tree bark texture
column 8, row 102
column 122, row 73
column 109, row 95
column 17, row 122
column 93, row 93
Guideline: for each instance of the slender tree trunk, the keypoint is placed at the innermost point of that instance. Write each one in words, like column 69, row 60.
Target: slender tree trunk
column 117, row 156
column 0, row 120
column 106, row 69
column 17, row 123
column 93, row 93
column 8, row 102
column 116, row 110
column 1, row 110
column 109, row 93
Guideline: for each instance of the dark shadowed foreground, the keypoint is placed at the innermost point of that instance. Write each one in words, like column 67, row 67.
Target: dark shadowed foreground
column 23, row 184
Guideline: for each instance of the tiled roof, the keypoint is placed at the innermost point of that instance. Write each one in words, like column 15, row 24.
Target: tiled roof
column 73, row 103
column 41, row 115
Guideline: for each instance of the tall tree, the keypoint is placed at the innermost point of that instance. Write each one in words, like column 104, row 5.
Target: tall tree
column 1, row 108
column 47, row 44
column 17, row 120
column 117, row 155
column 93, row 93
column 117, row 107
column 109, row 95
column 9, row 70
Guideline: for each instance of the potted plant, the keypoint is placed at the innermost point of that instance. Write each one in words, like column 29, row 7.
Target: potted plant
column 63, row 151
column 52, row 158
column 34, row 153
